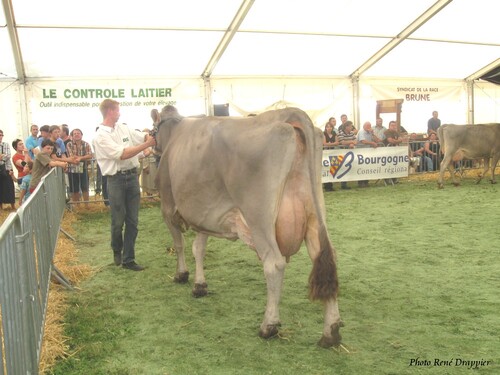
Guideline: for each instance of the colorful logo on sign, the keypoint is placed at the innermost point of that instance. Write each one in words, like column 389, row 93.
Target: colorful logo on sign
column 335, row 163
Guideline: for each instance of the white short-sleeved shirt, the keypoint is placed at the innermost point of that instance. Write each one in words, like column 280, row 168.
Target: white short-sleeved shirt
column 109, row 144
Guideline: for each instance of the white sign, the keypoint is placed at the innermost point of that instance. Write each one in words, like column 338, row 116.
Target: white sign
column 365, row 164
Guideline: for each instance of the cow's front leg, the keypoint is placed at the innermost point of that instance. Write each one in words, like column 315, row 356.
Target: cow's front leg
column 331, row 328
column 199, row 246
column 274, row 270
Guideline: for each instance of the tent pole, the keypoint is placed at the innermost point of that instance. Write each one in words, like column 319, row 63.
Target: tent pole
column 209, row 108
column 470, row 101
column 355, row 102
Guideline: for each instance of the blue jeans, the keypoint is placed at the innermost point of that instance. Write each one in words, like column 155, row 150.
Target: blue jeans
column 124, row 198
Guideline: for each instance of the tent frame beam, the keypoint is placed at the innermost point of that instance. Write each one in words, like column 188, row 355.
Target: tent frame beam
column 14, row 40
column 414, row 26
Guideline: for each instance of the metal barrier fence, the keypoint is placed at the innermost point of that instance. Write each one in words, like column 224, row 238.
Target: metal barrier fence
column 28, row 239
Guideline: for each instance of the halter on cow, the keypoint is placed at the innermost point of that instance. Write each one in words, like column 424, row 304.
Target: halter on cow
column 257, row 179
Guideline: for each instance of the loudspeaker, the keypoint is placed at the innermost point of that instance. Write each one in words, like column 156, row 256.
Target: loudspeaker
column 221, row 109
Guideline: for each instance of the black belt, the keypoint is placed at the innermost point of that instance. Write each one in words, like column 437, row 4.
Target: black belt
column 126, row 172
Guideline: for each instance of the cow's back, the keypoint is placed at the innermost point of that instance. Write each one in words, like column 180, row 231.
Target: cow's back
column 217, row 167
column 473, row 141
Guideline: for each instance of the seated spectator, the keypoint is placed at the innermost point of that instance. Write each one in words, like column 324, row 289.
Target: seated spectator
column 19, row 158
column 7, row 191
column 392, row 136
column 379, row 129
column 433, row 150
column 417, row 150
column 78, row 173
column 330, row 141
column 330, row 136
column 366, row 138
column 24, row 192
column 43, row 163
column 346, row 136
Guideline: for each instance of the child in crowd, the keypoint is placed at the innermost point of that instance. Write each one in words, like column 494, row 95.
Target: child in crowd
column 43, row 163
column 25, row 183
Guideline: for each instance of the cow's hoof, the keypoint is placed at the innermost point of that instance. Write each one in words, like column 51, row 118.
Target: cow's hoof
column 270, row 331
column 200, row 290
column 456, row 184
column 182, row 278
column 493, row 182
column 440, row 186
column 335, row 339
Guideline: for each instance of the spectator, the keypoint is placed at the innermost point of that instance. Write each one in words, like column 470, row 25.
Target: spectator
column 417, row 151
column 116, row 149
column 330, row 136
column 392, row 136
column 433, row 124
column 367, row 138
column 379, row 129
column 433, row 150
column 347, row 138
column 32, row 141
column 24, row 191
column 59, row 152
column 44, row 134
column 43, row 163
column 65, row 134
column 7, row 191
column 330, row 141
column 78, row 173
column 19, row 159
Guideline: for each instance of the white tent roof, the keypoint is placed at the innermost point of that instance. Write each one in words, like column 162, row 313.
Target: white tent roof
column 60, row 39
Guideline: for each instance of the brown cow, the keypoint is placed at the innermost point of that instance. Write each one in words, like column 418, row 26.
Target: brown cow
column 470, row 142
column 257, row 179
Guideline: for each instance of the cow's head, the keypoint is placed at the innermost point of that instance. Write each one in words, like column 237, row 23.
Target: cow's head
column 162, row 125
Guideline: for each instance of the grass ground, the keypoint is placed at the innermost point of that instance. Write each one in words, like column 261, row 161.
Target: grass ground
column 418, row 272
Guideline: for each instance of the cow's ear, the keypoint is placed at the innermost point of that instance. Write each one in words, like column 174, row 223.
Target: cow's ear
column 155, row 115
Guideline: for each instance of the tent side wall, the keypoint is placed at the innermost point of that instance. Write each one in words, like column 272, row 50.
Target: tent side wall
column 76, row 102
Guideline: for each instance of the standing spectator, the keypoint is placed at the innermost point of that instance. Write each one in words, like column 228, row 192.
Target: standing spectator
column 43, row 163
column 78, row 173
column 367, row 138
column 32, row 141
column 433, row 124
column 19, row 159
column 116, row 149
column 44, row 134
column 7, row 191
column 433, row 150
column 379, row 129
column 24, row 190
column 65, row 134
column 347, row 138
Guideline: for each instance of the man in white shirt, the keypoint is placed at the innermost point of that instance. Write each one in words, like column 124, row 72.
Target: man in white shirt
column 116, row 150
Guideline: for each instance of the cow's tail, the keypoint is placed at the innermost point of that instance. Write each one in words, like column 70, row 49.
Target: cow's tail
column 323, row 281
column 440, row 132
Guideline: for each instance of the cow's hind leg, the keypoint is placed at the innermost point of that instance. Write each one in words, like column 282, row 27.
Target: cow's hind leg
column 274, row 271
column 324, row 283
column 485, row 170
column 199, row 246
column 494, row 163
